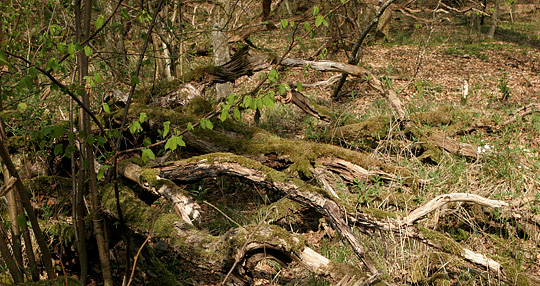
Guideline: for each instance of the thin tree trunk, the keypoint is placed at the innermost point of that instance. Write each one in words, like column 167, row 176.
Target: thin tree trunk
column 87, row 150
column 494, row 20
column 356, row 52
column 23, row 194
column 8, row 259
column 15, row 230
column 79, row 188
column 18, row 210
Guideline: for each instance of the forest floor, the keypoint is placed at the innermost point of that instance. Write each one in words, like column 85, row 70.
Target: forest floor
column 429, row 67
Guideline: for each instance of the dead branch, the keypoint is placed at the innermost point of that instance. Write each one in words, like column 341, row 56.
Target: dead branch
column 228, row 164
column 442, row 200
column 184, row 205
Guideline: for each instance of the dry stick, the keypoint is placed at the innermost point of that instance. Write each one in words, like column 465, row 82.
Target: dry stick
column 355, row 58
column 137, row 258
column 206, row 202
column 448, row 198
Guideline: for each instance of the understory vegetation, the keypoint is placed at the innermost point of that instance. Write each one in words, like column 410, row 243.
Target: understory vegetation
column 276, row 143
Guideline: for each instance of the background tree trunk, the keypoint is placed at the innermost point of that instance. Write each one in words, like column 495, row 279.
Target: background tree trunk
column 494, row 20
column 220, row 45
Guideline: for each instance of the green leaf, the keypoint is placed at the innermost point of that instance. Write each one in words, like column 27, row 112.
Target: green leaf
column 106, row 108
column 180, row 141
column 61, row 47
column 90, row 139
column 247, row 101
column 307, row 26
column 190, row 127
column 171, row 144
column 299, row 86
column 88, row 51
column 143, row 117
column 101, row 140
column 3, row 59
column 101, row 171
column 134, row 127
column 269, row 102
column 272, row 76
column 343, row 1
column 284, row 23
column 33, row 72
column 71, row 49
column 147, row 154
column 22, row 106
column 236, row 114
column 99, row 22
column 207, row 124
column 325, row 23
column 318, row 20
column 166, row 128
column 231, row 99
column 98, row 78
column 58, row 149
column 90, row 81
column 134, row 80
column 283, row 88
column 315, row 11
column 291, row 23
column 21, row 221
column 224, row 114
column 147, row 141
column 26, row 82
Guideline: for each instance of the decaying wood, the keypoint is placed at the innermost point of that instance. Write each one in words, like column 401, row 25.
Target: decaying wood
column 216, row 253
column 350, row 171
column 441, row 200
column 462, row 149
column 301, row 102
column 330, row 66
column 242, row 64
column 224, row 164
column 184, row 205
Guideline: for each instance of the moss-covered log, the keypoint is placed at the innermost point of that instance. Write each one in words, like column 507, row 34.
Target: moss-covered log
column 239, row 249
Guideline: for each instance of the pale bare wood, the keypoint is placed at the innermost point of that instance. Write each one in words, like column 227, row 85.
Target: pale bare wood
column 462, row 149
column 184, row 205
column 441, row 200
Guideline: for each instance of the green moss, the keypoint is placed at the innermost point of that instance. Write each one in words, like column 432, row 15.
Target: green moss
column 58, row 281
column 374, row 127
column 445, row 243
column 149, row 177
column 161, row 276
column 15, row 143
column 441, row 116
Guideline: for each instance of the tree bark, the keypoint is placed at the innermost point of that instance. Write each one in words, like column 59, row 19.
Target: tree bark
column 83, row 32
column 220, row 44
column 494, row 19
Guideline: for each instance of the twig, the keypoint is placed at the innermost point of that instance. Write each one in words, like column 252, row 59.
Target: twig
column 221, row 212
column 136, row 258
